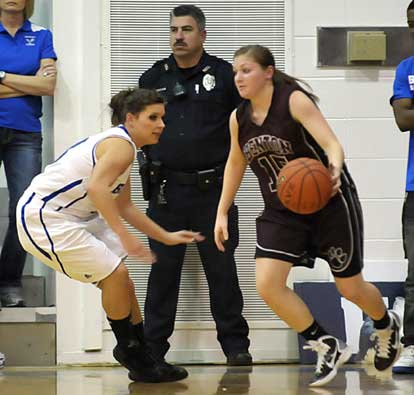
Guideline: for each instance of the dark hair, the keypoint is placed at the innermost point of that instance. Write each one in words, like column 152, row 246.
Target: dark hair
column 133, row 101
column 193, row 11
column 410, row 6
column 264, row 58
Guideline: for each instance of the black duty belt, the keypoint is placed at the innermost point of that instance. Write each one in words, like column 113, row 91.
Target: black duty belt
column 200, row 177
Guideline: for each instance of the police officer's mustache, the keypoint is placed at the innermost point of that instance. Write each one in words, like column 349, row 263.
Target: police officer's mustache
column 180, row 44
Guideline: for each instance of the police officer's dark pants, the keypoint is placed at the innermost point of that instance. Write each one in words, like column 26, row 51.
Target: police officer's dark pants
column 408, row 234
column 189, row 209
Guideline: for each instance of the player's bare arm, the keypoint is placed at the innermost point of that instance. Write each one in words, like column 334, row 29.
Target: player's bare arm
column 233, row 174
column 114, row 156
column 140, row 221
column 235, row 167
column 304, row 111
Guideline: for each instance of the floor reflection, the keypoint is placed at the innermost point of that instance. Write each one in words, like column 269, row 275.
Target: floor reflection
column 203, row 380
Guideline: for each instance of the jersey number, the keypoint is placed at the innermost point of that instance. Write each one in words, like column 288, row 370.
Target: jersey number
column 272, row 164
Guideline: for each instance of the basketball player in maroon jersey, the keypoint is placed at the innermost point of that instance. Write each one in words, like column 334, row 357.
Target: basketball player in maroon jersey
column 278, row 121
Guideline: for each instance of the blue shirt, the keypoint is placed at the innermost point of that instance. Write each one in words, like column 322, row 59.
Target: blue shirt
column 404, row 89
column 21, row 55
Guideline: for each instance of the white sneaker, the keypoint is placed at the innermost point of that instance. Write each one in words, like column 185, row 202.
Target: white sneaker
column 331, row 355
column 398, row 307
column 388, row 343
column 405, row 364
column 2, row 360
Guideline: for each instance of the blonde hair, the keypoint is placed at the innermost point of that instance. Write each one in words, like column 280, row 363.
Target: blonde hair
column 28, row 9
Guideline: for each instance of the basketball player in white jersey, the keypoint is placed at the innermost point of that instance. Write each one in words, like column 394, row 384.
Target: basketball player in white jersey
column 70, row 218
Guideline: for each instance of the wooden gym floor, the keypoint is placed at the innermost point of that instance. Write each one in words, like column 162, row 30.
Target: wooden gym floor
column 203, row 380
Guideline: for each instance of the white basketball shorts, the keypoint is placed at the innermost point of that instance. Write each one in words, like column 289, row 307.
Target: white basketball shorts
column 85, row 250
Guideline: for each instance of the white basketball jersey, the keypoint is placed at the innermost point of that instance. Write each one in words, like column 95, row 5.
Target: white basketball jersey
column 63, row 184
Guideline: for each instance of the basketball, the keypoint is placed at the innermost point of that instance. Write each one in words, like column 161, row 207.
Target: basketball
column 304, row 185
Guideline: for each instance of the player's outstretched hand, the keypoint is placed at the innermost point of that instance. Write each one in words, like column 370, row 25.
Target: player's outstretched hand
column 221, row 233
column 183, row 237
column 134, row 247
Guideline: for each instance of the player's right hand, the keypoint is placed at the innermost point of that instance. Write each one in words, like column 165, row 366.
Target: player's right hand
column 335, row 178
column 183, row 237
column 221, row 234
column 134, row 247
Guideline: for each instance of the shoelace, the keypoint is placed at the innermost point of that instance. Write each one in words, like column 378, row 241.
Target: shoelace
column 319, row 347
column 383, row 344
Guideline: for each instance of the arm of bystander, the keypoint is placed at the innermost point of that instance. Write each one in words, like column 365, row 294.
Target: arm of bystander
column 404, row 114
column 7, row 92
column 402, row 98
column 41, row 84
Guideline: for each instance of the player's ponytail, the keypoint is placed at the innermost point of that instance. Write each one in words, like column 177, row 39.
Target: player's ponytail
column 133, row 101
column 117, row 106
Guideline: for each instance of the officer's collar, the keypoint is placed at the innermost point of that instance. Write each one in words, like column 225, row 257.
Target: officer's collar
column 203, row 64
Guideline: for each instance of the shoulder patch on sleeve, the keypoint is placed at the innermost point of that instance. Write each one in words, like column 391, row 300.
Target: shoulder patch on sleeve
column 37, row 28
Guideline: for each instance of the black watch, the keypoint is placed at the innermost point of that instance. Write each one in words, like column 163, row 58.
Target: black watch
column 2, row 75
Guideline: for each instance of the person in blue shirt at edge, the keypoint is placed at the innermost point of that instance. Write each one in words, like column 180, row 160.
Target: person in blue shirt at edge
column 402, row 103
column 27, row 72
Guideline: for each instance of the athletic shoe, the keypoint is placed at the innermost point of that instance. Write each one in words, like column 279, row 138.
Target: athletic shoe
column 161, row 373
column 388, row 345
column 2, row 360
column 133, row 357
column 143, row 367
column 405, row 364
column 330, row 357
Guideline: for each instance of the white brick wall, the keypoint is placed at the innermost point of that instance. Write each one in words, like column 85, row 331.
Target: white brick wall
column 355, row 101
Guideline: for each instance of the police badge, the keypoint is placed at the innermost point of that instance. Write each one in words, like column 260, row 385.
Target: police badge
column 209, row 82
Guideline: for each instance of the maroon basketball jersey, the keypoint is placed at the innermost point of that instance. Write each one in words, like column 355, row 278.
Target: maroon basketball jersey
column 277, row 141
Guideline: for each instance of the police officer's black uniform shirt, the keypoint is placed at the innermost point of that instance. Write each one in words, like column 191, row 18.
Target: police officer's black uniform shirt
column 199, row 103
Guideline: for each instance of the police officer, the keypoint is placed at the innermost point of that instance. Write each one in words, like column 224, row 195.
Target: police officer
column 187, row 170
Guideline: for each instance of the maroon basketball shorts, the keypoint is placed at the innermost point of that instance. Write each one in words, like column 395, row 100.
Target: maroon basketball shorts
column 334, row 234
